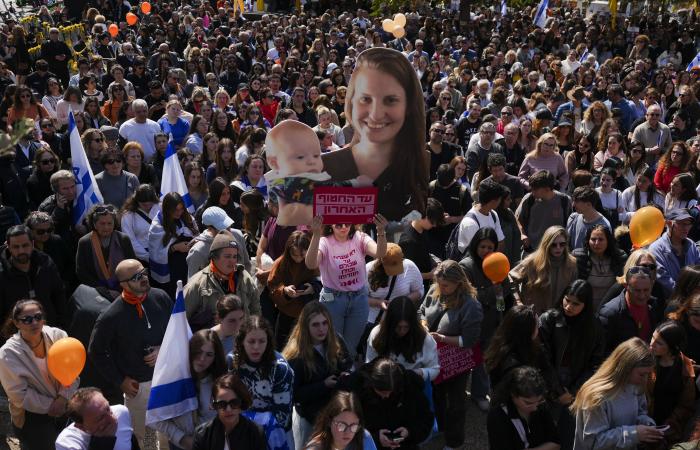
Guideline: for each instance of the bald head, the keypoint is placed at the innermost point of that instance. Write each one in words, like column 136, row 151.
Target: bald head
column 127, row 269
column 292, row 147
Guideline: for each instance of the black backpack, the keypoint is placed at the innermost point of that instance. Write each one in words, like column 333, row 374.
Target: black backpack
column 452, row 247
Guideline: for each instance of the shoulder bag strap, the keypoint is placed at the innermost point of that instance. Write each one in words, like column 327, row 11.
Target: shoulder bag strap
column 392, row 283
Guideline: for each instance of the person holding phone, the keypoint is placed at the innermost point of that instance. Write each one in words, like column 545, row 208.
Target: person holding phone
column 397, row 413
column 611, row 408
column 321, row 366
column 671, row 385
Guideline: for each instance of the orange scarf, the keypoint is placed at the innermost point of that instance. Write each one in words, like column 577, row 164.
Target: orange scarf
column 105, row 266
column 231, row 281
column 135, row 300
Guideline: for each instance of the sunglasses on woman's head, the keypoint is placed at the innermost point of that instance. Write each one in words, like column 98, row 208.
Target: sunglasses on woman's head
column 221, row 405
column 28, row 320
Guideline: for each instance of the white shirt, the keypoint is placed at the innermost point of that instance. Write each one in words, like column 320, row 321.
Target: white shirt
column 408, row 281
column 136, row 227
column 628, row 203
column 426, row 359
column 143, row 133
column 72, row 438
column 469, row 226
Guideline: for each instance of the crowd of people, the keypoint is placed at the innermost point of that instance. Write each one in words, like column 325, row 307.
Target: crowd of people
column 537, row 142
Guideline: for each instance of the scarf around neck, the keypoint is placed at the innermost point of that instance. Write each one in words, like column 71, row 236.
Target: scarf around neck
column 231, row 280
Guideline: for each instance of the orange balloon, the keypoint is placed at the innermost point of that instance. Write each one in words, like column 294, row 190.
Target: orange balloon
column 146, row 8
column 646, row 226
column 131, row 19
column 113, row 30
column 496, row 267
column 66, row 360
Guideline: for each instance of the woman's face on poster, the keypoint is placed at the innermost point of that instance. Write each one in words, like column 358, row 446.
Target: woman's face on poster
column 378, row 106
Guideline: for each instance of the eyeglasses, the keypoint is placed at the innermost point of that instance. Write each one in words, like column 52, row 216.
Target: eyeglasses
column 46, row 162
column 28, row 320
column 506, row 113
column 253, row 113
column 648, row 266
column 639, row 269
column 42, row 231
column 341, row 225
column 138, row 276
column 234, row 403
column 343, row 427
column 112, row 161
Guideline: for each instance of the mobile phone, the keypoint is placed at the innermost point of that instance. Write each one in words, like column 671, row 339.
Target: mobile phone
column 393, row 436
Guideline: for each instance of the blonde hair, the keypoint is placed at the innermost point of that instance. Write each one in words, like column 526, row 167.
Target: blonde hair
column 539, row 262
column 612, row 376
column 451, row 271
column 632, row 261
column 300, row 344
column 538, row 145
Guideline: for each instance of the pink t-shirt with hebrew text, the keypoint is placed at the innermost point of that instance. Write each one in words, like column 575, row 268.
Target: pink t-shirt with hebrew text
column 342, row 264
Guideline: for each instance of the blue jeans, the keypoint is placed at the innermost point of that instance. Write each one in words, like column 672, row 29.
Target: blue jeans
column 349, row 312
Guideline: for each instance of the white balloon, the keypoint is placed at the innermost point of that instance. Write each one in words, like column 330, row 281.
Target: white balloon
column 399, row 32
column 388, row 25
column 400, row 20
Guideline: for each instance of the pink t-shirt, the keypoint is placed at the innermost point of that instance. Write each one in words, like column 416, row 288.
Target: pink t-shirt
column 342, row 264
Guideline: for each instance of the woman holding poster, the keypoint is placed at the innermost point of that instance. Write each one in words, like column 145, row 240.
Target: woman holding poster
column 452, row 315
column 340, row 257
column 384, row 105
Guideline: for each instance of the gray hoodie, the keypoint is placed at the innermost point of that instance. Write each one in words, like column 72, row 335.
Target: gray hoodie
column 198, row 256
column 613, row 423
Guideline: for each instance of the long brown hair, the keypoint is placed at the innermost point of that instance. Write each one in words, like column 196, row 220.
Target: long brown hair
column 411, row 169
column 300, row 344
column 297, row 240
column 268, row 357
column 341, row 402
column 170, row 202
column 218, row 366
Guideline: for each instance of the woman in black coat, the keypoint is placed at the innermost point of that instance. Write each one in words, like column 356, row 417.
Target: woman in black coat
column 46, row 163
column 317, row 374
column 394, row 405
column 599, row 262
column 520, row 418
column 229, row 398
column 574, row 344
column 485, row 242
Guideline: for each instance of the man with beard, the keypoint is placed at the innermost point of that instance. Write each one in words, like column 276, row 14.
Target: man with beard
column 127, row 336
column 27, row 273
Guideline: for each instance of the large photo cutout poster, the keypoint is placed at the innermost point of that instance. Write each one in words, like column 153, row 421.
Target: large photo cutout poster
column 385, row 107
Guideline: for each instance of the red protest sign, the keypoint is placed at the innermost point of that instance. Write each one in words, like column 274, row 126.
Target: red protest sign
column 345, row 204
column 456, row 360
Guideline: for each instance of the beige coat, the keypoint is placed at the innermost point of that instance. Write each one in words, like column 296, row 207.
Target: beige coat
column 26, row 387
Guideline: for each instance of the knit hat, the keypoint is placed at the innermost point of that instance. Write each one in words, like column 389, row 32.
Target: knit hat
column 223, row 240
